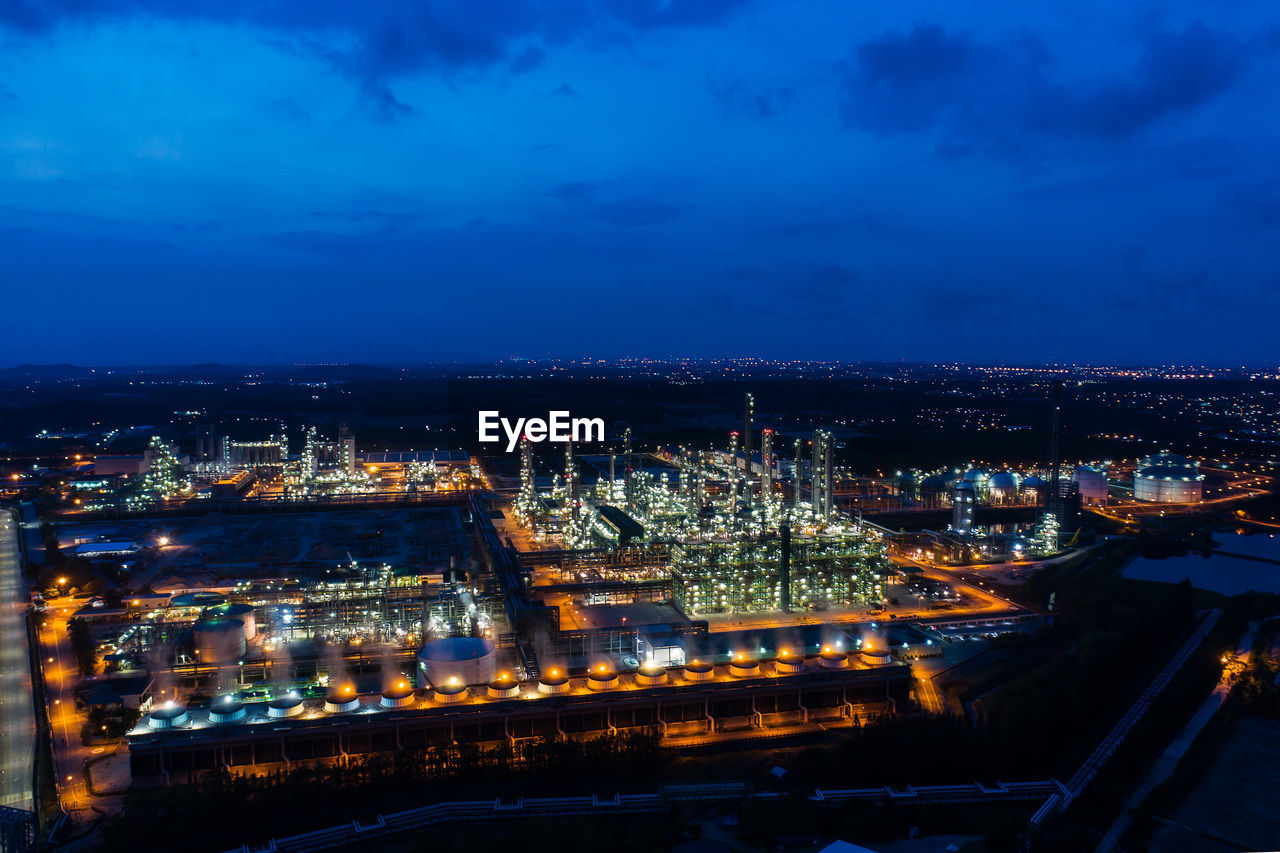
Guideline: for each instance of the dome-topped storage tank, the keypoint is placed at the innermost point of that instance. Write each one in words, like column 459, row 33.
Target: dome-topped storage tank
column 1003, row 486
column 1091, row 483
column 469, row 660
column 933, row 488
column 1168, row 478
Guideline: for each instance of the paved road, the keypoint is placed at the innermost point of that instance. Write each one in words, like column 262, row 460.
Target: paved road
column 61, row 675
column 17, row 717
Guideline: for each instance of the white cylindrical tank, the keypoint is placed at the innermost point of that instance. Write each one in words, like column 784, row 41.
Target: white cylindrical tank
column 1168, row 478
column 833, row 659
column 788, row 662
column 743, row 666
column 553, row 681
column 651, row 675
column 398, row 695
column 342, row 699
column 1091, row 483
column 226, row 709
column 289, row 705
column 699, row 670
column 602, row 677
column 219, row 640
column 167, row 716
column 504, row 687
column 469, row 660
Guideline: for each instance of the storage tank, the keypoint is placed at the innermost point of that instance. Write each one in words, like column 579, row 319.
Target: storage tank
column 167, row 716
column 450, row 692
column 554, row 680
column 219, row 640
column 226, row 709
column 906, row 484
column 833, row 658
column 504, row 687
column 398, row 694
column 289, row 705
column 1091, row 483
column 977, row 477
column 1033, row 485
column 651, row 675
column 876, row 656
column 788, row 662
column 1003, row 487
column 933, row 489
column 743, row 665
column 602, row 677
column 699, row 670
column 341, row 698
column 1168, row 478
column 245, row 613
column 471, row 660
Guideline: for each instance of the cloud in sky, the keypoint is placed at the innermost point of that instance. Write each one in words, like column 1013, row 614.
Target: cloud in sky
column 917, row 172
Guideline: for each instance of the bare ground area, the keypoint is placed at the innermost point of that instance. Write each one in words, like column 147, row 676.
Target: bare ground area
column 1237, row 803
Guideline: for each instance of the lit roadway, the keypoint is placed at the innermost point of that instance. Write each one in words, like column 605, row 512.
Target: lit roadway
column 17, row 717
column 61, row 674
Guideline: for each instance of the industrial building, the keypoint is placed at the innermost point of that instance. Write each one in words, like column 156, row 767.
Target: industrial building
column 175, row 742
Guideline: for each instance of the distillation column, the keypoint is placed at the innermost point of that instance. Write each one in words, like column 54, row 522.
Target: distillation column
column 766, row 466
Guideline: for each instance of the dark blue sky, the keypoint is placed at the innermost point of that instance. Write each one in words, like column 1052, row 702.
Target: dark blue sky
column 249, row 180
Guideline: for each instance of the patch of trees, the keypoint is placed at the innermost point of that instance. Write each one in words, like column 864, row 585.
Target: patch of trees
column 82, row 646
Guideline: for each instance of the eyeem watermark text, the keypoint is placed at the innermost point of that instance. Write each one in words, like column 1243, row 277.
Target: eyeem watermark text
column 558, row 427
